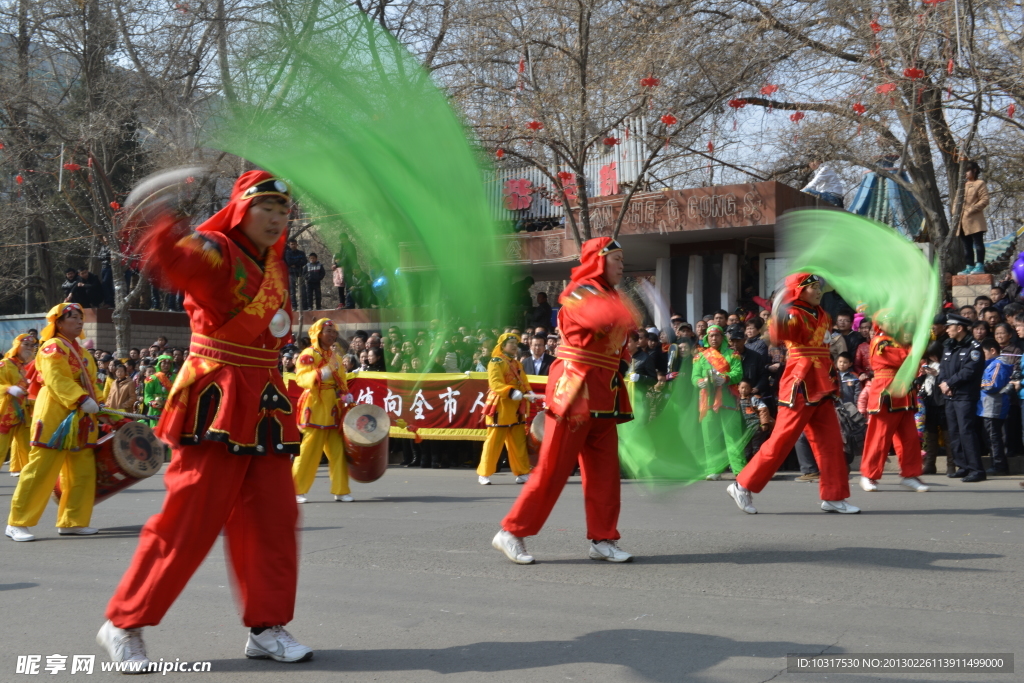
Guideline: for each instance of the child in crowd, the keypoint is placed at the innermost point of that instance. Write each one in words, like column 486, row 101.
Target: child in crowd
column 852, row 424
column 994, row 404
column 756, row 418
column 849, row 383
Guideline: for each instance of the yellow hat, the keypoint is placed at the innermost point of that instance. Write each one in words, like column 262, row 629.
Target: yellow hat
column 51, row 320
column 18, row 341
column 314, row 334
column 497, row 352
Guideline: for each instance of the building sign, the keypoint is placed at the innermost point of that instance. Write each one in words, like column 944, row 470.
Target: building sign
column 679, row 210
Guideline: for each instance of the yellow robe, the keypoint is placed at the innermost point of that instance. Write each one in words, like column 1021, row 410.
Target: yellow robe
column 319, row 418
column 14, row 415
column 69, row 377
column 504, row 417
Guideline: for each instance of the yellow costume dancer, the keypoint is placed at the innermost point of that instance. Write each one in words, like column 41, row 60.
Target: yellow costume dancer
column 505, row 411
column 64, row 432
column 14, row 418
column 322, row 379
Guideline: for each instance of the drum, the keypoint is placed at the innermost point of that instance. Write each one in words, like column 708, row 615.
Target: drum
column 366, row 428
column 124, row 457
column 534, row 438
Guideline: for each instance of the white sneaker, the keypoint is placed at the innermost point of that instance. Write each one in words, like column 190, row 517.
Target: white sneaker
column 744, row 499
column 19, row 533
column 483, row 481
column 77, row 530
column 840, row 506
column 714, row 477
column 347, row 498
column 277, row 644
column 300, row 499
column 512, row 546
column 15, row 474
column 522, row 478
column 608, row 550
column 124, row 645
column 914, row 484
column 868, row 485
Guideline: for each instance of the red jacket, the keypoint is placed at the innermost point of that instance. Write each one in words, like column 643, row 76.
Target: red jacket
column 586, row 378
column 809, row 366
column 886, row 358
column 229, row 389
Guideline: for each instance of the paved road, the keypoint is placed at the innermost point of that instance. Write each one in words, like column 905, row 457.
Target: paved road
column 402, row 585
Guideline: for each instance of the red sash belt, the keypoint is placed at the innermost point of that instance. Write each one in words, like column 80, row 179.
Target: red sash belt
column 228, row 353
column 579, row 355
column 809, row 352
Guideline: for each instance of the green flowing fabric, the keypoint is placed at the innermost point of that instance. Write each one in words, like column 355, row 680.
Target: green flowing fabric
column 873, row 268
column 670, row 448
column 333, row 104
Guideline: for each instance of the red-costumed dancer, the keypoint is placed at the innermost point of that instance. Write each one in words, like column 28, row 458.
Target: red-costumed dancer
column 890, row 419
column 807, row 391
column 586, row 398
column 231, row 426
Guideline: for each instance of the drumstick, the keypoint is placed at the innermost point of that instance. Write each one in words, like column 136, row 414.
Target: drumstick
column 120, row 413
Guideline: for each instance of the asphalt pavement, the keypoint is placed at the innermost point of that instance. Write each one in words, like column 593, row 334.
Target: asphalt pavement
column 403, row 585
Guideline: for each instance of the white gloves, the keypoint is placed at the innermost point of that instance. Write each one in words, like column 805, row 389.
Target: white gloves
column 719, row 380
column 516, row 395
column 90, row 406
column 348, row 398
column 635, row 377
column 702, row 384
column 15, row 391
column 325, row 373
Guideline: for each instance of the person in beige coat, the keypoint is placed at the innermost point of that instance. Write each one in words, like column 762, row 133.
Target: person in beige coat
column 972, row 221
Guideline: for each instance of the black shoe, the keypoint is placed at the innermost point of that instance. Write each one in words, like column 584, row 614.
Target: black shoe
column 996, row 472
column 959, row 474
column 976, row 475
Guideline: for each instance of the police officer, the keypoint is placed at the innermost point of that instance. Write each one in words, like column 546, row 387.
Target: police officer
column 960, row 382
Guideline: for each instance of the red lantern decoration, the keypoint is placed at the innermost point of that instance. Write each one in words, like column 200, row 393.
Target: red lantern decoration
column 500, row 153
column 933, row 2
column 913, row 74
column 535, row 125
column 1011, row 110
column 885, row 88
column 1, row 145
column 564, row 176
column 650, row 82
column 189, row 180
column 796, row 116
column 711, row 147
column 115, row 206
column 610, row 142
column 18, row 179
column 89, row 162
column 739, row 102
column 859, row 108
column 875, row 27
column 769, row 89
column 949, row 67
column 669, row 120
column 72, row 167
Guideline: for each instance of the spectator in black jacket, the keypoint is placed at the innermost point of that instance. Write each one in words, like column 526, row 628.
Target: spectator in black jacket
column 537, row 361
column 295, row 259
column 314, row 273
column 72, row 292
column 540, row 315
column 755, row 366
column 93, row 287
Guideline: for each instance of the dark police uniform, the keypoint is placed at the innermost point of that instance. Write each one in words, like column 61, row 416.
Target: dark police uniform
column 961, row 369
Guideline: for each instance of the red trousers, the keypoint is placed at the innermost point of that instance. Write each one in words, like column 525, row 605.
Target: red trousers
column 595, row 446
column 891, row 429
column 252, row 498
column 821, row 425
